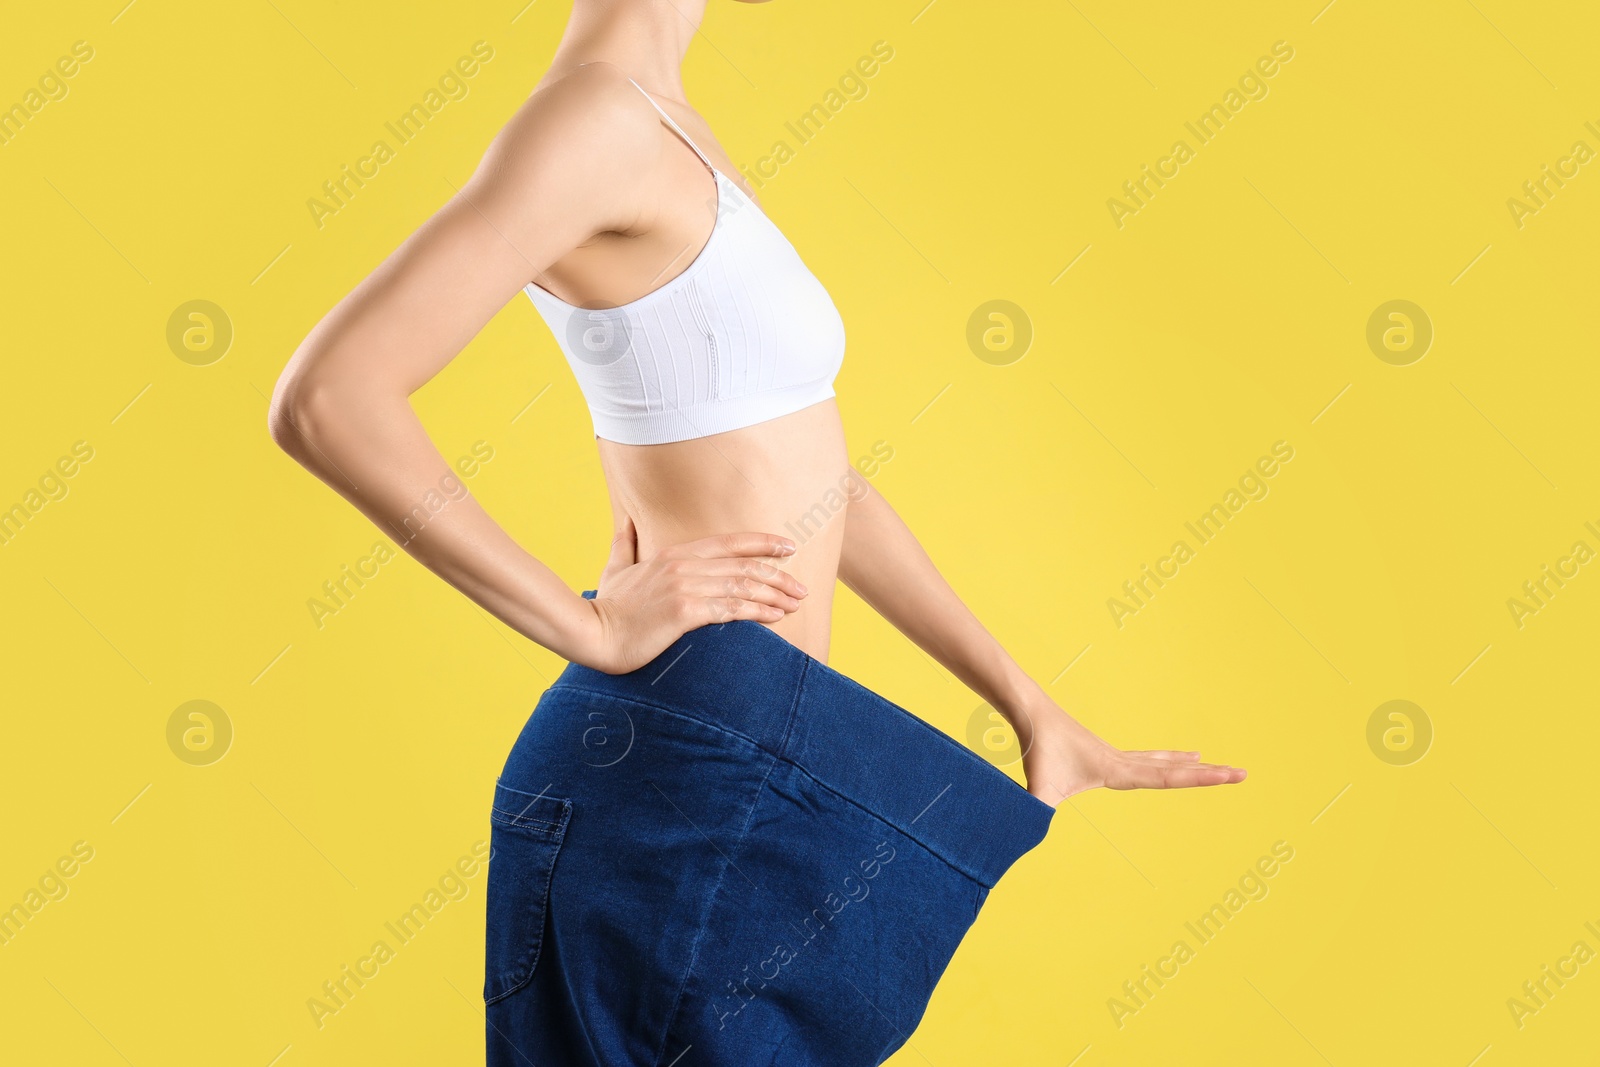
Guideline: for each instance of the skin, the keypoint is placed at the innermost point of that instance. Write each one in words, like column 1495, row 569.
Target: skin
column 587, row 193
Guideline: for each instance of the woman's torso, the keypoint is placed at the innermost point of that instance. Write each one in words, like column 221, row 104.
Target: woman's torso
column 786, row 475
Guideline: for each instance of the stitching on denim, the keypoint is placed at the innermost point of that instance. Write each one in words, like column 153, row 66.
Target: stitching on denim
column 903, row 831
column 711, row 901
column 799, row 689
column 520, row 818
column 523, row 820
column 513, row 819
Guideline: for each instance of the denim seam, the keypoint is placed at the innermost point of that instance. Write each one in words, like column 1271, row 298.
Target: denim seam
column 513, row 819
column 947, row 861
column 794, row 706
column 711, row 901
column 522, row 818
column 558, row 827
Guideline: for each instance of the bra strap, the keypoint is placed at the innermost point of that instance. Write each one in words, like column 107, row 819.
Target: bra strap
column 689, row 140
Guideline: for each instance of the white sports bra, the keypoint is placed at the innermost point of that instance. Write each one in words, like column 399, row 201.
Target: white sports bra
column 744, row 334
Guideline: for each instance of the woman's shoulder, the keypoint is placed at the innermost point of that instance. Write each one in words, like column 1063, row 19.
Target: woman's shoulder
column 588, row 135
column 592, row 105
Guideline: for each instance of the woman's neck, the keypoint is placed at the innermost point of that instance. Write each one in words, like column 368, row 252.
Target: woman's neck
column 647, row 39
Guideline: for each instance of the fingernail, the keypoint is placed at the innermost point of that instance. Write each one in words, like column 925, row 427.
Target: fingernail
column 800, row 587
column 788, row 546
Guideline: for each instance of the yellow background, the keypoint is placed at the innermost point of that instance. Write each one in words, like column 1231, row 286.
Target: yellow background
column 1227, row 314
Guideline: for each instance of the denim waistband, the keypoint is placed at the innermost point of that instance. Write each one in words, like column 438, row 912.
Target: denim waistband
column 742, row 677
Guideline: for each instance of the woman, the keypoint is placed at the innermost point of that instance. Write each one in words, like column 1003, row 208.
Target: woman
column 709, row 847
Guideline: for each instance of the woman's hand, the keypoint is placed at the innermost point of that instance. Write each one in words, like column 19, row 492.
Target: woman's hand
column 1062, row 757
column 642, row 607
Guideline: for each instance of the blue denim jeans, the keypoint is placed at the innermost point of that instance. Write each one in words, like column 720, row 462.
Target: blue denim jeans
column 734, row 855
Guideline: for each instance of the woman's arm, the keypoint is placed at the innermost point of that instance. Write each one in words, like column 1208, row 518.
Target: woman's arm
column 574, row 162
column 884, row 565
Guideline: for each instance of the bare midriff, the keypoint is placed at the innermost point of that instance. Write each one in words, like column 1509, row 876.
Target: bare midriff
column 783, row 476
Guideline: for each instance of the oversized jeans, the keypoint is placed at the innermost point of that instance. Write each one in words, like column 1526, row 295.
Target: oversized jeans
column 734, row 855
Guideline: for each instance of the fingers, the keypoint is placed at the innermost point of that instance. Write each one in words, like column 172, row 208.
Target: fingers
column 1131, row 772
column 734, row 587
column 734, row 544
column 728, row 609
column 757, row 569
column 1166, row 754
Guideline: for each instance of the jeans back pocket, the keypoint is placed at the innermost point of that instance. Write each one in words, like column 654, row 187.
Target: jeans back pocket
column 525, row 834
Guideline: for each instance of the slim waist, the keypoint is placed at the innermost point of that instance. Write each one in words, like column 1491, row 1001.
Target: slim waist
column 747, row 680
